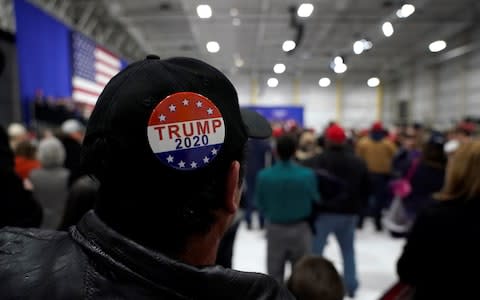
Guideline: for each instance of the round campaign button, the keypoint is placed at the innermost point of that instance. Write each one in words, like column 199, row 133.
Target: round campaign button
column 186, row 131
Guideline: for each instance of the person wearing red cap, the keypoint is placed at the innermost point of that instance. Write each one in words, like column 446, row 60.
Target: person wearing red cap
column 378, row 152
column 344, row 186
column 464, row 132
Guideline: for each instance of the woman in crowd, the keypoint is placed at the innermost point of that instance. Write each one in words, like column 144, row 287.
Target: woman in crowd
column 17, row 205
column 50, row 182
column 443, row 247
column 26, row 159
column 428, row 174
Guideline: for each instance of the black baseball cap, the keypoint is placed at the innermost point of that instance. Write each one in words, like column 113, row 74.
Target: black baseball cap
column 126, row 105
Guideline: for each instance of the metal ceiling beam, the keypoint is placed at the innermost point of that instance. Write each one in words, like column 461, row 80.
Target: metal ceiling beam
column 64, row 7
column 86, row 15
column 264, row 8
column 284, row 18
column 97, row 26
column 325, row 30
column 6, row 15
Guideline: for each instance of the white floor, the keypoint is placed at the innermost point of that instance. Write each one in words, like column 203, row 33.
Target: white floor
column 376, row 255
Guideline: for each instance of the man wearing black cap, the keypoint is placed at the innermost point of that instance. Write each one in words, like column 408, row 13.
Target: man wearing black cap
column 166, row 142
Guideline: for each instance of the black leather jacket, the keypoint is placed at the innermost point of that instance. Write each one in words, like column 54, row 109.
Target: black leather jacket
column 94, row 262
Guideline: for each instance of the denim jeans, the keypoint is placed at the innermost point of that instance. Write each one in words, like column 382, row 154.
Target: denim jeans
column 343, row 227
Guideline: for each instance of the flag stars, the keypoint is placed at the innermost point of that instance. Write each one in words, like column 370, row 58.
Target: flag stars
column 181, row 164
column 193, row 165
column 185, row 102
column 162, row 118
column 206, row 159
column 170, row 159
column 172, row 108
column 214, row 151
column 210, row 111
column 199, row 104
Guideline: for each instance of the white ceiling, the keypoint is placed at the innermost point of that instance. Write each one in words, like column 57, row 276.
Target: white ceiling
column 172, row 28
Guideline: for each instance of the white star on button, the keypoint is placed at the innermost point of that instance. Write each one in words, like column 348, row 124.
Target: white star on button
column 185, row 102
column 210, row 111
column 193, row 165
column 162, row 118
column 214, row 151
column 206, row 160
column 181, row 164
column 172, row 107
column 170, row 159
column 199, row 104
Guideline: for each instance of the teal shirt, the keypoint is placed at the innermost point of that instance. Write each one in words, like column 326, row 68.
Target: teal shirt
column 286, row 192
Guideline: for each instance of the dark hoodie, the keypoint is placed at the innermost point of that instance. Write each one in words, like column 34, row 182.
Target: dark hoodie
column 17, row 205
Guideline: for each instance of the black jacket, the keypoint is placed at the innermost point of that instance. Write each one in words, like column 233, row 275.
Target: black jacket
column 442, row 255
column 72, row 158
column 18, row 208
column 94, row 262
column 343, row 164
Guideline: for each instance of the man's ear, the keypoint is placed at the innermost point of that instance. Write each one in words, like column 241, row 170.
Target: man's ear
column 233, row 189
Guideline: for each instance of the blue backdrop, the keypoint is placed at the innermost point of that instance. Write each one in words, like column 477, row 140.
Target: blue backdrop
column 44, row 56
column 281, row 113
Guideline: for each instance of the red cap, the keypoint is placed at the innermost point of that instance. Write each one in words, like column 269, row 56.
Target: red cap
column 277, row 132
column 335, row 134
column 377, row 126
column 467, row 126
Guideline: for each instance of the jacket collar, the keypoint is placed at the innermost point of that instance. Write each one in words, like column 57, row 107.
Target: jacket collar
column 147, row 266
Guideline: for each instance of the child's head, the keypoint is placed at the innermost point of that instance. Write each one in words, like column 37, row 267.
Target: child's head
column 314, row 277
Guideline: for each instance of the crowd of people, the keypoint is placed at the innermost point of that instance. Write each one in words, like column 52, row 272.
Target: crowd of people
column 48, row 111
column 391, row 176
column 143, row 228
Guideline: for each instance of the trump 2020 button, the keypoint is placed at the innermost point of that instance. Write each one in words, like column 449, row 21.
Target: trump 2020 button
column 186, row 131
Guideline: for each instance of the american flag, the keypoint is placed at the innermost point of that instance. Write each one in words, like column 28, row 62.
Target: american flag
column 93, row 67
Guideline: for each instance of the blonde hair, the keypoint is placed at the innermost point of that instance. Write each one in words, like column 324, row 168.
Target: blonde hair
column 463, row 173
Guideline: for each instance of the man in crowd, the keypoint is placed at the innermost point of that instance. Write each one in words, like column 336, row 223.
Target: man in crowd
column 166, row 141
column 286, row 194
column 378, row 152
column 345, row 192
column 73, row 133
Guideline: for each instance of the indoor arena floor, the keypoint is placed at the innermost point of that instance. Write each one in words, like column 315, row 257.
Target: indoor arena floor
column 376, row 255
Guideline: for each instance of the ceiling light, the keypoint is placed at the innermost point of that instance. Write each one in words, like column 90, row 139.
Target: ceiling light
column 338, row 60
column 288, row 45
column 340, row 68
column 213, row 47
column 305, row 10
column 367, row 45
column 399, row 13
column 236, row 22
column 279, row 68
column 324, row 82
column 233, row 12
column 406, row 11
column 239, row 62
column 437, row 46
column 373, row 82
column 204, row 11
column 358, row 47
column 272, row 82
column 387, row 29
